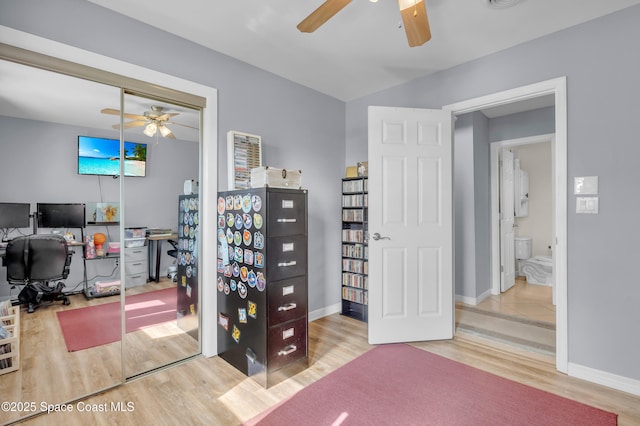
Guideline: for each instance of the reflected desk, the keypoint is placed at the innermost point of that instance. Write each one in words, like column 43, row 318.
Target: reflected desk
column 156, row 240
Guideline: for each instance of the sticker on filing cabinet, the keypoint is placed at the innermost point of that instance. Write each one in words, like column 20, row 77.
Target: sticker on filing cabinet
column 238, row 221
column 227, row 289
column 287, row 290
column 261, row 283
column 257, row 220
column 258, row 260
column 246, row 203
column 183, row 281
column 286, row 247
column 288, row 333
column 231, row 219
column 242, row 290
column 233, row 285
column 220, row 205
column 242, row 315
column 227, row 270
column 248, row 257
column 221, row 221
column 220, row 266
column 221, row 236
column 220, row 284
column 238, row 255
column 237, row 238
column 248, row 220
column 251, row 280
column 257, row 202
column 235, row 269
column 223, row 321
column 244, row 274
column 229, row 202
column 246, row 237
column 236, row 334
column 287, row 204
column 258, row 240
column 229, row 236
column 237, row 202
column 252, row 309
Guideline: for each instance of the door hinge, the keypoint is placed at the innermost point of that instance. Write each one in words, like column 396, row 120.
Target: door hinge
column 501, row 268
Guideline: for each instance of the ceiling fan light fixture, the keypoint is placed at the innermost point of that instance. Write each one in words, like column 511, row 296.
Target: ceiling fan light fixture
column 150, row 129
column 164, row 131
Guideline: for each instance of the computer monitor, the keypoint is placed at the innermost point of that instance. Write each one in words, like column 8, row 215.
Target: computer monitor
column 14, row 215
column 61, row 215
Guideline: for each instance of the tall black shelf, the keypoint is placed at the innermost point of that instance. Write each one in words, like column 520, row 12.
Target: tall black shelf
column 355, row 251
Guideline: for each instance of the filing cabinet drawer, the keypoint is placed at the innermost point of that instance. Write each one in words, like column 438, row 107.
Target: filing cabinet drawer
column 133, row 254
column 287, row 300
column 286, row 257
column 287, row 343
column 287, row 213
column 135, row 268
column 135, row 280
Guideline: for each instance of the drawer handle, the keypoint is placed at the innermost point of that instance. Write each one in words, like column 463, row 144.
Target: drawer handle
column 287, row 307
column 135, row 276
column 136, row 264
column 288, row 350
column 282, row 220
column 284, row 264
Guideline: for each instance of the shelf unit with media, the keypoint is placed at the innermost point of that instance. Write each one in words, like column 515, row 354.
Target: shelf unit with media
column 355, row 252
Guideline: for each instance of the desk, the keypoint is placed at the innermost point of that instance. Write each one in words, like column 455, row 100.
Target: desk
column 156, row 240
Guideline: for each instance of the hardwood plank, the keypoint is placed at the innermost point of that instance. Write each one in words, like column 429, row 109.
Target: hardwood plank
column 210, row 391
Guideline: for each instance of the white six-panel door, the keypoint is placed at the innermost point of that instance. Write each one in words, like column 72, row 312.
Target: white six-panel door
column 507, row 221
column 411, row 211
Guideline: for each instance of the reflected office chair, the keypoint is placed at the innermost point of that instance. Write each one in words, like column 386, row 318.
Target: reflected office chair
column 173, row 269
column 36, row 261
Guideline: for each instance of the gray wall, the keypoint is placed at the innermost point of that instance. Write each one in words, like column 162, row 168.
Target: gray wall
column 600, row 59
column 38, row 163
column 523, row 124
column 301, row 128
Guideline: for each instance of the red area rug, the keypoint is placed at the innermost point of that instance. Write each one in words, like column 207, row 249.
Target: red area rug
column 402, row 385
column 92, row 326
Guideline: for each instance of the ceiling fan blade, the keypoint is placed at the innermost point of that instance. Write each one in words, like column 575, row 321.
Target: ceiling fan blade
column 178, row 124
column 165, row 117
column 130, row 124
column 126, row 115
column 321, row 15
column 415, row 21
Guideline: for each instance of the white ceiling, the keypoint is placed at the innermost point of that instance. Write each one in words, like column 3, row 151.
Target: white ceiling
column 360, row 50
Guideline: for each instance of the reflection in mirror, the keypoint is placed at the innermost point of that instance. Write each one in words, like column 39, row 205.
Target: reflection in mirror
column 161, row 233
column 65, row 351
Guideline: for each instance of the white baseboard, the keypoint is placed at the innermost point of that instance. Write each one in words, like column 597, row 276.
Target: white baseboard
column 326, row 311
column 473, row 300
column 614, row 381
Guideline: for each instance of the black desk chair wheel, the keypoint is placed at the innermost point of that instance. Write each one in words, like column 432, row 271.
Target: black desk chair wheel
column 36, row 261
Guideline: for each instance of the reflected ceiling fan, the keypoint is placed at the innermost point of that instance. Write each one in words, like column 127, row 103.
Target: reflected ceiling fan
column 414, row 19
column 155, row 120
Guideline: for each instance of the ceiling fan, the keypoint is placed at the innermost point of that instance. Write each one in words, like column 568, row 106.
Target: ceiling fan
column 414, row 19
column 154, row 120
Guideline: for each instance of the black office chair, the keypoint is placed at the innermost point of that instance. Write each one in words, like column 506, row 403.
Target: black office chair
column 35, row 261
column 173, row 273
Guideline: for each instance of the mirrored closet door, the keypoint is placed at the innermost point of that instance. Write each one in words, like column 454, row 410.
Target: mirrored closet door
column 161, row 232
column 65, row 351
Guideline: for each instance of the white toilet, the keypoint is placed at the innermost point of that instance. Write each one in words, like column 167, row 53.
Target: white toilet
column 537, row 269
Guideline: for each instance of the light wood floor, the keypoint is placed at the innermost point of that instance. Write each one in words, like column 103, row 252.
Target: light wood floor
column 529, row 301
column 210, row 391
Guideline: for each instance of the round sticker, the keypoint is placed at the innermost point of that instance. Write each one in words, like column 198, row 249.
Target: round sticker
column 244, row 273
column 237, row 238
column 251, row 279
column 239, row 222
column 221, row 205
column 229, row 236
column 242, row 290
column 235, row 269
column 257, row 202
column 237, row 202
column 226, row 289
column 233, row 285
column 221, row 236
column 248, row 221
column 229, row 202
column 257, row 220
column 246, row 237
column 230, row 219
column 246, row 203
column 220, row 221
column 220, row 284
column 261, row 283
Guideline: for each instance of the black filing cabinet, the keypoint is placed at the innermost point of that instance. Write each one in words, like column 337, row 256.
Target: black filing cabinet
column 262, row 282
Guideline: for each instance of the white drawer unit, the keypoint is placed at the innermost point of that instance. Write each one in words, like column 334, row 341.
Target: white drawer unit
column 136, row 266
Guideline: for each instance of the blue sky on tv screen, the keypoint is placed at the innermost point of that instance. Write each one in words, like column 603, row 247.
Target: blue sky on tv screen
column 101, row 148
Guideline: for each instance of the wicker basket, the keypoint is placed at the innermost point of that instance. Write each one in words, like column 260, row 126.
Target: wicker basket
column 10, row 347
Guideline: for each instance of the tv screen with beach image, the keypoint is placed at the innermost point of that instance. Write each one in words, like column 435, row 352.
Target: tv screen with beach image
column 101, row 156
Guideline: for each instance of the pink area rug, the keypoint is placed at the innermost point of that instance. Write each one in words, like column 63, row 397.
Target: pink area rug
column 401, row 385
column 98, row 325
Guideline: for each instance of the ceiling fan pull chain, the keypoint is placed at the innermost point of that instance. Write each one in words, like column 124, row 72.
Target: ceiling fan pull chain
column 415, row 8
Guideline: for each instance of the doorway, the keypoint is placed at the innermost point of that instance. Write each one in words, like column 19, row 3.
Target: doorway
column 557, row 88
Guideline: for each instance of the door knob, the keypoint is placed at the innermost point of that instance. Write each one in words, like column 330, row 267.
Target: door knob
column 377, row 237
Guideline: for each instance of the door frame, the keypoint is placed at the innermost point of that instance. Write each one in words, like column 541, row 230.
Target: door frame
column 558, row 88
column 496, row 249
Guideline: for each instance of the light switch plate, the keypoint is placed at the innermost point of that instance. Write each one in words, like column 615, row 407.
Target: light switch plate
column 586, row 185
column 587, row 205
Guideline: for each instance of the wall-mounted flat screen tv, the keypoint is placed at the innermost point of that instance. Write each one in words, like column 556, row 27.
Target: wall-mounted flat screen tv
column 14, row 215
column 61, row 215
column 101, row 156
